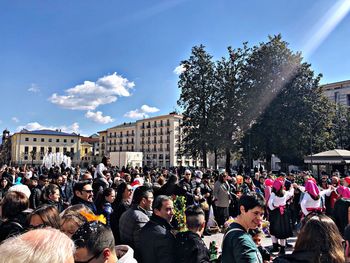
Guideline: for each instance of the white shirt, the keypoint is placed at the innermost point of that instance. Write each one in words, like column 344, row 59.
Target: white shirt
column 99, row 169
column 276, row 201
column 308, row 202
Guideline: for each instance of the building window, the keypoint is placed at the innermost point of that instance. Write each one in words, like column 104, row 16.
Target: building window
column 57, row 149
column 86, row 150
column 26, row 139
column 42, row 150
column 42, row 140
column 50, row 150
column 57, row 140
column 50, row 140
column 64, row 140
column 34, row 139
column 336, row 97
column 26, row 150
column 71, row 152
column 120, row 148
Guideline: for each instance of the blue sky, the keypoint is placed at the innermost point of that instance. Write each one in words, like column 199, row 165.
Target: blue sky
column 85, row 66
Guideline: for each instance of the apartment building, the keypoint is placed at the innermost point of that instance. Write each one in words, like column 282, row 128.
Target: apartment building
column 157, row 138
column 29, row 147
column 89, row 150
column 338, row 92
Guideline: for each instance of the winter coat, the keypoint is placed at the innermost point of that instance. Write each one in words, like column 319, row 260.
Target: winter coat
column 157, row 243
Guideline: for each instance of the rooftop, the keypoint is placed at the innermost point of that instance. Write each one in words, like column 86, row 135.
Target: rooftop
column 48, row 132
column 336, row 85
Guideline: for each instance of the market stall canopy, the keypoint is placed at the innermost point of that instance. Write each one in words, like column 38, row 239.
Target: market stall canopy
column 336, row 156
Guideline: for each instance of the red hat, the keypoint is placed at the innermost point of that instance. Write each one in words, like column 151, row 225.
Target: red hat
column 343, row 191
column 277, row 184
column 312, row 188
column 347, row 180
column 312, row 179
column 268, row 182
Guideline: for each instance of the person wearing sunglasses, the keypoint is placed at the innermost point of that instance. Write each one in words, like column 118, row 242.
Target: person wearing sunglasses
column 83, row 194
column 94, row 243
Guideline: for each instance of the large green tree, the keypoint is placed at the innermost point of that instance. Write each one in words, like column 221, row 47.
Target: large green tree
column 290, row 114
column 198, row 99
column 232, row 97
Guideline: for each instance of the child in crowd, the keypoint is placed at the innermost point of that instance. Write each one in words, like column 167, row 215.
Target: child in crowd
column 257, row 236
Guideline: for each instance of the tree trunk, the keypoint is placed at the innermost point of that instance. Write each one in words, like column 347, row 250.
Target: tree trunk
column 228, row 161
column 215, row 159
column 204, row 151
column 268, row 161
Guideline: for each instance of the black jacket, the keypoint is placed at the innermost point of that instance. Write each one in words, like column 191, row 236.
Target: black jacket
column 190, row 248
column 157, row 243
column 76, row 200
column 67, row 192
column 14, row 226
column 35, row 197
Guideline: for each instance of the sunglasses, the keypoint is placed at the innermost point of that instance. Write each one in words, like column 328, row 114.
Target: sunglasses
column 93, row 257
column 87, row 191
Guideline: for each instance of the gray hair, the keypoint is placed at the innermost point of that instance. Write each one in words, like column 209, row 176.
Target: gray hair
column 46, row 245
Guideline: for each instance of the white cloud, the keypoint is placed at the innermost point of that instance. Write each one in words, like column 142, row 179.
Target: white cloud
column 34, row 88
column 90, row 95
column 179, row 69
column 15, row 119
column 98, row 117
column 148, row 109
column 37, row 126
column 135, row 114
column 141, row 113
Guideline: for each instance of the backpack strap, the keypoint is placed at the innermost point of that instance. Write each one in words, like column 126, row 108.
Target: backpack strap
column 231, row 230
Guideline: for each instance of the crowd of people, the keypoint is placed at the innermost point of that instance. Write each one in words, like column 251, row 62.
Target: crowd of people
column 107, row 214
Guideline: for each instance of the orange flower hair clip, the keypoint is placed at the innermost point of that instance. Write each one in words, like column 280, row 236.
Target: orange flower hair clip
column 91, row 217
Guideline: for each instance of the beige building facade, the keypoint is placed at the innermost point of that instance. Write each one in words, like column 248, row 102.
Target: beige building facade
column 158, row 138
column 338, row 92
column 30, row 147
